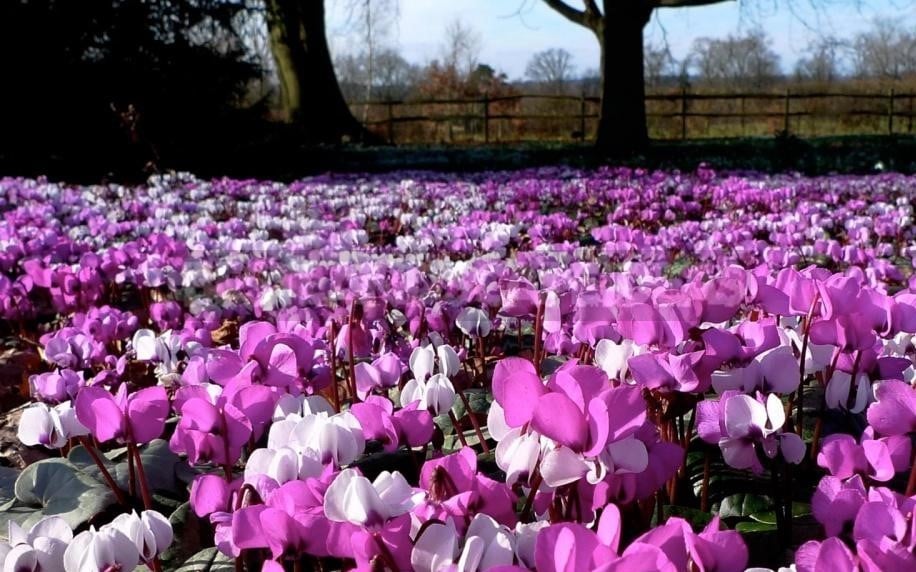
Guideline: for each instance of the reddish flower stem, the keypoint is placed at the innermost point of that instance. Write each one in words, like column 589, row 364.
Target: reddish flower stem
column 539, row 331
column 458, row 431
column 351, row 365
column 332, row 346
column 911, row 483
column 474, row 422
column 118, row 493
column 535, row 485
column 141, row 477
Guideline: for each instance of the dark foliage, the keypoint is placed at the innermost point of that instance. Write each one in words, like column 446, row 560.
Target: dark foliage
column 123, row 86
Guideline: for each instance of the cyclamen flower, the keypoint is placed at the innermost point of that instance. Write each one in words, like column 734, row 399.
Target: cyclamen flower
column 894, row 413
column 435, row 392
column 878, row 459
column 319, row 437
column 739, row 423
column 56, row 386
column 40, row 549
column 773, row 371
column 570, row 547
column 839, row 388
column 101, row 550
column 383, row 373
column 836, row 502
column 487, row 544
column 352, row 498
column 589, row 421
column 137, row 418
column 150, row 532
column 410, row 425
column 49, row 426
column 474, row 322
column 456, row 491
column 214, row 428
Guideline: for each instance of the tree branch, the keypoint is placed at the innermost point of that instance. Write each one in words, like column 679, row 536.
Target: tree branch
column 683, row 3
column 589, row 18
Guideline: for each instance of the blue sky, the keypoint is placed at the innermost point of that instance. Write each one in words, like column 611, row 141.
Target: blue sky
column 510, row 35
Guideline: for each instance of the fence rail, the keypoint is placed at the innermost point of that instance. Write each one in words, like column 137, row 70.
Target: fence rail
column 672, row 115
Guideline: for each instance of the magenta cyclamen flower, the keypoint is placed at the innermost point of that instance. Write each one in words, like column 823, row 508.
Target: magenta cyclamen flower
column 878, row 459
column 136, row 418
column 894, row 413
column 215, row 429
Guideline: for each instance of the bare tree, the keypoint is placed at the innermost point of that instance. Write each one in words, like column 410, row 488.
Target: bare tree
column 823, row 62
column 736, row 61
column 392, row 75
column 887, row 51
column 552, row 68
column 461, row 48
column 658, row 64
column 374, row 21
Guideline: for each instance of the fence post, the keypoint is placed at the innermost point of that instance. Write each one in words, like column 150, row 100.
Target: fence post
column 743, row 123
column 786, row 115
column 890, row 112
column 390, row 106
column 582, row 116
column 486, row 118
column 683, row 113
column 910, row 123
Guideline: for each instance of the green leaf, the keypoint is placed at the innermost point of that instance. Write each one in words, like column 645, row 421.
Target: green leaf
column 189, row 536
column 696, row 517
column 8, row 478
column 58, row 487
column 160, row 465
column 754, row 527
column 208, row 560
column 799, row 509
column 743, row 504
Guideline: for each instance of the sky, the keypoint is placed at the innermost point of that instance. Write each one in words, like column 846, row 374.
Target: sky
column 512, row 30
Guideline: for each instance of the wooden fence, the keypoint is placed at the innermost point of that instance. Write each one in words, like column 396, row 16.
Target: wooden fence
column 671, row 116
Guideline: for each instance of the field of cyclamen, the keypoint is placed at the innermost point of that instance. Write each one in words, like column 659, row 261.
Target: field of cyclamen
column 549, row 370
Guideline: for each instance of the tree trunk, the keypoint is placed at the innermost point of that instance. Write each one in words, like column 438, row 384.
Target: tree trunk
column 310, row 94
column 622, row 122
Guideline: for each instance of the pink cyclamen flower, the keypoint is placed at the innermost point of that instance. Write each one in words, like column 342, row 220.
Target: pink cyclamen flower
column 136, row 418
column 214, row 429
column 383, row 373
column 878, row 459
column 894, row 412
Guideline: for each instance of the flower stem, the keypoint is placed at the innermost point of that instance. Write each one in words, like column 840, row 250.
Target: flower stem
column 800, row 392
column 704, row 495
column 141, row 477
column 118, row 493
column 131, row 477
column 458, row 431
column 332, row 341
column 535, row 485
column 911, row 483
column 539, row 331
column 350, row 364
column 474, row 422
